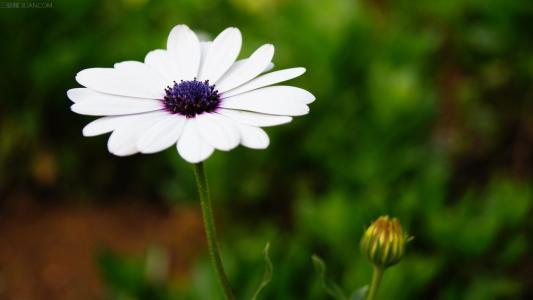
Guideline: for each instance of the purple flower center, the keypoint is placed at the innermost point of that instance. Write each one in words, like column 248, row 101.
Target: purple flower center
column 191, row 98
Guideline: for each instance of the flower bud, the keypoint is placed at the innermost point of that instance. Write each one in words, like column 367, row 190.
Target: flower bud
column 384, row 242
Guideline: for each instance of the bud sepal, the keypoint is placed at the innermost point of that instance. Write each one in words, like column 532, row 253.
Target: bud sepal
column 384, row 242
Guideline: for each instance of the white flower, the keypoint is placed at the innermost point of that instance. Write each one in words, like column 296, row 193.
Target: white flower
column 194, row 95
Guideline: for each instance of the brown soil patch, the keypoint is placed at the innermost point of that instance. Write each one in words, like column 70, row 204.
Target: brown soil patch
column 50, row 253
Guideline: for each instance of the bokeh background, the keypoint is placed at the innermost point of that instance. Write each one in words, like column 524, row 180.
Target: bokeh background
column 424, row 112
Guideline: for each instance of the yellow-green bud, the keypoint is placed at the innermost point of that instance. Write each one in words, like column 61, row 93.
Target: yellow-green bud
column 384, row 242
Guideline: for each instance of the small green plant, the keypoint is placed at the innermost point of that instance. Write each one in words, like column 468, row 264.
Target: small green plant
column 383, row 243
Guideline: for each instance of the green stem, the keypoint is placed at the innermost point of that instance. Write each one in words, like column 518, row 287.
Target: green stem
column 374, row 285
column 210, row 230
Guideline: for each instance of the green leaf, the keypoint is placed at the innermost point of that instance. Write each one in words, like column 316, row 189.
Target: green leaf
column 331, row 287
column 268, row 272
column 360, row 293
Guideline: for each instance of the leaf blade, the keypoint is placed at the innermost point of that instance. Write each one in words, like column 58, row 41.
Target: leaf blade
column 267, row 276
column 329, row 286
column 360, row 293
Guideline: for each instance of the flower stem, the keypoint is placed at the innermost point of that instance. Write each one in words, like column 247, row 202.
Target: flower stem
column 210, row 230
column 374, row 285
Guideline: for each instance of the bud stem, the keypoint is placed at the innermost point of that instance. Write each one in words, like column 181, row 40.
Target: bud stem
column 374, row 285
column 210, row 231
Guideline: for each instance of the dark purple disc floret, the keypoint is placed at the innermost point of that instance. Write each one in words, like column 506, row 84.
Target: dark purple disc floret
column 191, row 98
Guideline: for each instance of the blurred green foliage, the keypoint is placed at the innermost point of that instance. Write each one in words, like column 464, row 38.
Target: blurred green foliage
column 423, row 112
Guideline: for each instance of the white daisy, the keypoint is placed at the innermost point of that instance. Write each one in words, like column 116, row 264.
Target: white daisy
column 194, row 95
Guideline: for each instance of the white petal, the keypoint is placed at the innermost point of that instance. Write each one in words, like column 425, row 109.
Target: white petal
column 266, row 80
column 72, row 94
column 191, row 146
column 218, row 131
column 106, row 124
column 160, row 61
column 276, row 100
column 204, row 48
column 222, row 54
column 162, row 134
column 123, row 140
column 239, row 62
column 253, row 137
column 153, row 77
column 128, row 65
column 92, row 103
column 133, row 79
column 269, row 67
column 254, row 119
column 285, row 92
column 248, row 70
column 184, row 52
